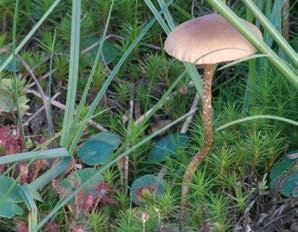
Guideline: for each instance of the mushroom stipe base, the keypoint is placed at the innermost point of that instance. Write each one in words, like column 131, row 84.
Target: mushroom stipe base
column 208, row 137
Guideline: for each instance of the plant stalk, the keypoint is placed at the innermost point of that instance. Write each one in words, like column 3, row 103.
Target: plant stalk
column 208, row 137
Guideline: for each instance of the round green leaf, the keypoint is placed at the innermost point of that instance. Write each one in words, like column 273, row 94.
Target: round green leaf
column 8, row 208
column 9, row 188
column 93, row 152
column 108, row 137
column 145, row 183
column 167, row 146
column 284, row 176
column 10, row 194
column 76, row 178
column 280, row 168
column 290, row 187
column 109, row 50
column 7, row 99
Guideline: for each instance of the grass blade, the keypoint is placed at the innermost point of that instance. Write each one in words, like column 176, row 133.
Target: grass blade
column 30, row 34
column 34, row 155
column 278, row 38
column 233, row 19
column 31, row 206
column 248, row 58
column 15, row 85
column 94, row 66
column 73, row 70
column 50, row 122
column 290, row 121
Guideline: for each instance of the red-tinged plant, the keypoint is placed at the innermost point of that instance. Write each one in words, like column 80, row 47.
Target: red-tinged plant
column 77, row 228
column 10, row 140
column 52, row 227
column 2, row 168
column 24, row 172
column 145, row 217
column 88, row 203
column 104, row 193
column 143, row 191
column 38, row 166
column 58, row 188
column 21, row 227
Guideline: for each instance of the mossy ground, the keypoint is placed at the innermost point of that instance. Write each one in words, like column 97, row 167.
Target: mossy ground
column 229, row 190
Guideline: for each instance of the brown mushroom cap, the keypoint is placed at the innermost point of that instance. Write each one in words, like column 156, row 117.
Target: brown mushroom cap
column 209, row 39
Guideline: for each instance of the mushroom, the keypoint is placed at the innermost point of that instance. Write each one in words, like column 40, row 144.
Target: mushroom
column 206, row 41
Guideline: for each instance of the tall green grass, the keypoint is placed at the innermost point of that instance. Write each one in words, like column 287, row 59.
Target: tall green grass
column 73, row 71
column 30, row 34
column 281, row 65
column 15, row 85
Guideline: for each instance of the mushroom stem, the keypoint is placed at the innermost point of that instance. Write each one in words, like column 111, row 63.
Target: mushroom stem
column 208, row 137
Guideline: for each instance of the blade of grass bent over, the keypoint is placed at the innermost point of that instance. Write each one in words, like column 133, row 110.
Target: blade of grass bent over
column 290, row 121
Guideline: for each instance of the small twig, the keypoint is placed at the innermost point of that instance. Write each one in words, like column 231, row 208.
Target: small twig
column 126, row 158
column 286, row 23
column 42, row 94
column 97, row 126
column 187, row 122
column 41, row 78
column 62, row 107
column 94, row 45
column 4, row 50
column 39, row 110
column 293, row 156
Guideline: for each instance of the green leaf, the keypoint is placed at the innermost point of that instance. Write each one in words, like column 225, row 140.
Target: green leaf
column 35, row 195
column 80, row 177
column 280, row 168
column 7, row 98
column 10, row 194
column 93, row 152
column 9, row 67
column 99, row 148
column 109, row 51
column 284, row 176
column 10, row 189
column 8, row 208
column 146, row 183
column 290, row 186
column 167, row 146
column 110, row 138
column 6, row 101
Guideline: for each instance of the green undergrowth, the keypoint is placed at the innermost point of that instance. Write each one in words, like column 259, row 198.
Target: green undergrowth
column 235, row 172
